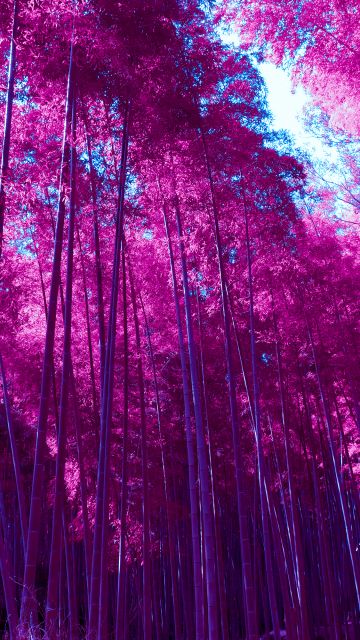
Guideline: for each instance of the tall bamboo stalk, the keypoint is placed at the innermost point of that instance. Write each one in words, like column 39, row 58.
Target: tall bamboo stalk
column 205, row 489
column 146, row 561
column 194, row 506
column 58, row 510
column 88, row 327
column 258, row 439
column 296, row 539
column 121, row 602
column 28, row 603
column 8, row 117
column 99, row 563
column 248, row 586
column 98, row 266
column 15, row 460
column 337, row 483
column 165, row 473
column 218, row 543
column 6, row 572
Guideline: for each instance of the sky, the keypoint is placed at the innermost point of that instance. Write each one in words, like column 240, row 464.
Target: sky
column 287, row 106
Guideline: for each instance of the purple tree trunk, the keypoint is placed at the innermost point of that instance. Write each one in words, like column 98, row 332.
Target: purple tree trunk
column 28, row 603
column 205, row 489
column 146, row 604
column 194, row 506
column 248, row 586
column 120, row 603
column 15, row 460
column 258, row 439
column 164, row 466
column 98, row 267
column 7, row 125
column 51, row 616
column 97, row 622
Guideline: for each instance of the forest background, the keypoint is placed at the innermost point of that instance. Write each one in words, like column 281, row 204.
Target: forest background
column 179, row 321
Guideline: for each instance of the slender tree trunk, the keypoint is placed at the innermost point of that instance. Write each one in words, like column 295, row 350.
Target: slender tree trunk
column 8, row 588
column 286, row 536
column 98, row 267
column 218, row 542
column 120, row 604
column 259, row 447
column 8, row 116
column 169, row 524
column 241, row 360
column 146, row 562
column 205, row 490
column 88, row 328
column 83, row 490
column 296, row 539
column 78, row 432
column 55, row 552
column 106, row 109
column 70, row 583
column 15, row 461
column 326, row 565
column 337, row 483
column 156, row 599
column 248, row 586
column 350, row 352
column 99, row 563
column 290, row 617
column 327, row 580
column 194, row 505
column 354, row 488
column 185, row 564
column 28, row 603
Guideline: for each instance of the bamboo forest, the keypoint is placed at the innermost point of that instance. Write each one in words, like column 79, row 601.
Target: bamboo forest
column 179, row 320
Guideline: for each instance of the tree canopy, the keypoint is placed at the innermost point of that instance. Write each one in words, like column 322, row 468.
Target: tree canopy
column 179, row 324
